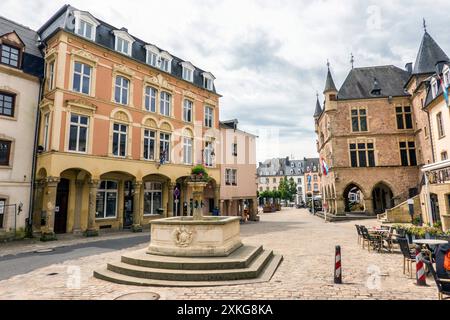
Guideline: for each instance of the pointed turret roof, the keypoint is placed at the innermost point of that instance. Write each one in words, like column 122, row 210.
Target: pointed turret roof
column 318, row 111
column 329, row 84
column 429, row 54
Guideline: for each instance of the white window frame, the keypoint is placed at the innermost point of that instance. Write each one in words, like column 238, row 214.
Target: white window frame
column 151, row 96
column 163, row 58
column 188, row 108
column 209, row 148
column 434, row 87
column 148, row 138
column 188, row 150
column 234, row 177
column 152, row 57
column 121, row 87
column 125, row 38
column 120, row 134
column 208, row 81
column 46, row 131
column 152, row 190
column 105, row 202
column 78, row 125
column 164, row 140
column 82, row 77
column 188, row 71
column 86, row 18
column 209, row 117
column 51, row 75
column 446, row 73
column 165, row 105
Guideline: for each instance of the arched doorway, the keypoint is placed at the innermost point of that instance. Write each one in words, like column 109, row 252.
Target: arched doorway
column 62, row 202
column 435, row 212
column 382, row 198
column 354, row 199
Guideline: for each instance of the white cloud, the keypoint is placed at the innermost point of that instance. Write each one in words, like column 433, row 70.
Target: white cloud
column 268, row 56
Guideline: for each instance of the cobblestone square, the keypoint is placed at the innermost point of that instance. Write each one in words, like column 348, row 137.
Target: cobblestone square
column 306, row 242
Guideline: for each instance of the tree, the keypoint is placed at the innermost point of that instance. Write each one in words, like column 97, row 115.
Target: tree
column 292, row 189
column 283, row 189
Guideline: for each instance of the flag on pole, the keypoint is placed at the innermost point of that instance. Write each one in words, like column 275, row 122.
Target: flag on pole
column 325, row 167
column 444, row 90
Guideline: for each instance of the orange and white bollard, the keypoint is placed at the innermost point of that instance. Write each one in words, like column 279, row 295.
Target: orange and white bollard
column 338, row 266
column 420, row 268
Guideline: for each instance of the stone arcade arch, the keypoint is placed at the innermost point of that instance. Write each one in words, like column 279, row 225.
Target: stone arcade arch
column 354, row 198
column 382, row 197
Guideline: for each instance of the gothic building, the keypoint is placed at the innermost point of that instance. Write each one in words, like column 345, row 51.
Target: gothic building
column 375, row 134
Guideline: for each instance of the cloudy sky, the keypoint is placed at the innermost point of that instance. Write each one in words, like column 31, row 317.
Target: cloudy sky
column 269, row 56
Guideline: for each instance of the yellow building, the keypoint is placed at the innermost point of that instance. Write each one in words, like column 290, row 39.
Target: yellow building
column 122, row 123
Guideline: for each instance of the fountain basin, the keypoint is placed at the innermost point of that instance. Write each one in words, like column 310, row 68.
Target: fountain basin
column 186, row 237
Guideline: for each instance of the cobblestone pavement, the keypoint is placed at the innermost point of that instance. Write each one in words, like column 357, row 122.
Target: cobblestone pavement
column 306, row 242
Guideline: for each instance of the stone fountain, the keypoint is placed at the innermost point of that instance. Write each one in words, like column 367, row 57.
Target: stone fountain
column 194, row 251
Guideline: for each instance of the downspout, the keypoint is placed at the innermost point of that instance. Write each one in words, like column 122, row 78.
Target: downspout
column 427, row 188
column 36, row 142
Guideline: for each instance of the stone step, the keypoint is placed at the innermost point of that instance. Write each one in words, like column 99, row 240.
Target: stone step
column 251, row 271
column 265, row 276
column 241, row 258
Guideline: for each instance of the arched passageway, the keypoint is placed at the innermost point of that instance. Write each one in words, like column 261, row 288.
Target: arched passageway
column 354, row 199
column 383, row 198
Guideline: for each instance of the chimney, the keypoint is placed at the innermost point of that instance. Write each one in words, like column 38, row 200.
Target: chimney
column 409, row 67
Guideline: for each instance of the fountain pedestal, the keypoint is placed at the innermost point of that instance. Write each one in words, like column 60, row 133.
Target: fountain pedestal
column 195, row 236
column 194, row 251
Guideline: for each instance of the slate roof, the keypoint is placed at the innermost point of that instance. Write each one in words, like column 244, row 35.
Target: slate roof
column 429, row 54
column 329, row 84
column 29, row 37
column 32, row 61
column 105, row 38
column 318, row 111
column 360, row 83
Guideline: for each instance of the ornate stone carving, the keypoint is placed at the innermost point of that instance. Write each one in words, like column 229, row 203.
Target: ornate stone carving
column 85, row 55
column 183, row 237
column 123, row 69
column 189, row 94
column 121, row 116
column 166, row 127
column 212, row 103
column 150, row 123
column 81, row 106
column 152, row 80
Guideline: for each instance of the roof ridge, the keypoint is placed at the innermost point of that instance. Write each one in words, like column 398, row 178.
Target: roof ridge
column 18, row 24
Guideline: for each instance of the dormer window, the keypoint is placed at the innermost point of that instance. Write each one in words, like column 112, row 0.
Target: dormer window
column 123, row 42
column 85, row 25
column 10, row 56
column 434, row 88
column 446, row 76
column 152, row 55
column 165, row 62
column 188, row 71
column 208, row 81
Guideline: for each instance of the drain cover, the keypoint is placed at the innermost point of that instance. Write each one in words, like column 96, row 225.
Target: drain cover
column 139, row 296
column 44, row 250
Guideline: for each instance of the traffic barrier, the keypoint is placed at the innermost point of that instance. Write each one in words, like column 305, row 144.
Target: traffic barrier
column 338, row 266
column 420, row 268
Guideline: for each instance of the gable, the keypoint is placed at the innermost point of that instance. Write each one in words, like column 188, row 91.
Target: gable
column 12, row 39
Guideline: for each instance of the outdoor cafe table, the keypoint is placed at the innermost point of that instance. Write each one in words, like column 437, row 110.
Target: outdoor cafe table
column 430, row 242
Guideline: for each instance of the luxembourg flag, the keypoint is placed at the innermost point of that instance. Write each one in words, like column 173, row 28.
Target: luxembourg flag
column 325, row 167
column 445, row 91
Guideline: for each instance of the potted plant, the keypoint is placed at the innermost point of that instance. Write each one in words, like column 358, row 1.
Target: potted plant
column 199, row 173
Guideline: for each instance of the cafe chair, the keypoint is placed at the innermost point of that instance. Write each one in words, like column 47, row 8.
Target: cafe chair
column 443, row 285
column 409, row 256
